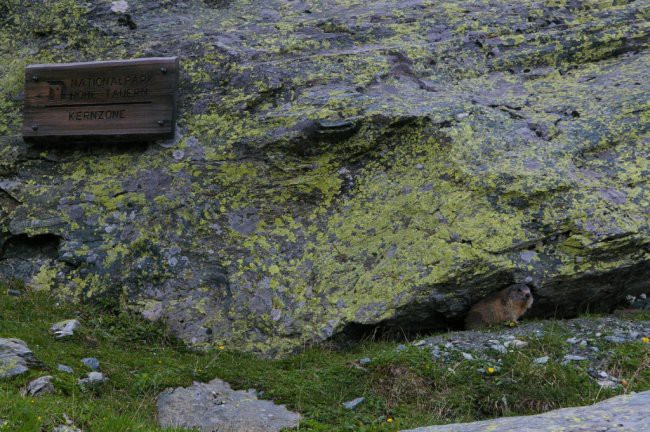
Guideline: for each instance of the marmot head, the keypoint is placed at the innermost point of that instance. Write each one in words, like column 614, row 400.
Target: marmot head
column 521, row 294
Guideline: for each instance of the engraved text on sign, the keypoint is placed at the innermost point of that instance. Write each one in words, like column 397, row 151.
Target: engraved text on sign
column 118, row 99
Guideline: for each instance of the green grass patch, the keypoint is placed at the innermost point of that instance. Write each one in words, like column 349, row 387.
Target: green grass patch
column 402, row 389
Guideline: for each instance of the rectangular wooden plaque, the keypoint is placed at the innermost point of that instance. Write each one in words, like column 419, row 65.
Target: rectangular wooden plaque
column 124, row 99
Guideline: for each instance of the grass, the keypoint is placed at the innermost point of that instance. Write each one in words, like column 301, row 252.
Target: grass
column 402, row 389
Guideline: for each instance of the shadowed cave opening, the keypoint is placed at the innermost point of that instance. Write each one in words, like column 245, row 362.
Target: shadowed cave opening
column 21, row 256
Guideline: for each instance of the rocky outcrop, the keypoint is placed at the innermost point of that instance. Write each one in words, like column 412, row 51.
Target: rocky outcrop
column 215, row 406
column 340, row 165
column 624, row 413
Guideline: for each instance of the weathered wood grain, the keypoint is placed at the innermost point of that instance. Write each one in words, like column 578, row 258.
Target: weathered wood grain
column 124, row 99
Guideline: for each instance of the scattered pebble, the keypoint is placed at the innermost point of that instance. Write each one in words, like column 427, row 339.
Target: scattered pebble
column 516, row 343
column 92, row 380
column 400, row 348
column 352, row 404
column 467, row 356
column 39, row 387
column 120, row 6
column 64, row 328
column 91, row 363
column 64, row 368
column 364, row 361
column 541, row 360
column 570, row 357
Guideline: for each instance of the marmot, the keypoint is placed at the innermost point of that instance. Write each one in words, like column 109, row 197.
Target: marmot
column 506, row 305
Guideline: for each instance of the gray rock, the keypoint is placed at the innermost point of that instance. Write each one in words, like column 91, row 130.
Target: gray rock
column 15, row 358
column 215, row 406
column 615, row 339
column 516, row 343
column 261, row 138
column 66, row 428
column 64, row 368
column 365, row 360
column 352, row 404
column 39, row 387
column 91, row 363
column 65, row 328
column 621, row 413
column 571, row 357
column 467, row 356
column 93, row 380
column 541, row 360
column 14, row 293
column 499, row 348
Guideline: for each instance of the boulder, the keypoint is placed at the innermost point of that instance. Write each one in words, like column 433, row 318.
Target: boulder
column 627, row 412
column 15, row 358
column 215, row 406
column 339, row 168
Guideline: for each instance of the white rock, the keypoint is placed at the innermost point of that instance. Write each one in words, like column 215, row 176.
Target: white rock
column 352, row 404
column 65, row 328
column 516, row 344
column 468, row 356
column 541, row 360
column 120, row 6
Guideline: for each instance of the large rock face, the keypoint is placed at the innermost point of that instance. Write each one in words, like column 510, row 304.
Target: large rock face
column 340, row 163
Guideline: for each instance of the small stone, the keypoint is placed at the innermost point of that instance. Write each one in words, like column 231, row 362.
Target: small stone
column 595, row 349
column 583, row 343
column 91, row 363
column 467, row 356
column 541, row 360
column 39, row 387
column 603, row 374
column 64, row 328
column 120, row 6
column 64, row 368
column 462, row 115
column 364, row 361
column 92, row 380
column 570, row 357
column 419, row 343
column 14, row 293
column 66, row 428
column 352, row 404
column 499, row 348
column 400, row 348
column 607, row 383
column 572, row 340
column 614, row 339
column 516, row 344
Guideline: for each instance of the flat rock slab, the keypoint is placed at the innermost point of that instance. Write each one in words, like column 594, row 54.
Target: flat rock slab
column 15, row 357
column 621, row 413
column 216, row 407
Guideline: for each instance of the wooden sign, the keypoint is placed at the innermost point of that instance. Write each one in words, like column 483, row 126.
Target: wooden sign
column 124, row 99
